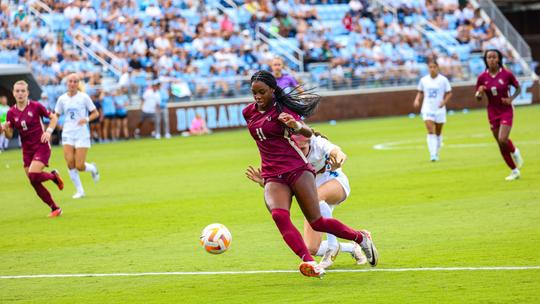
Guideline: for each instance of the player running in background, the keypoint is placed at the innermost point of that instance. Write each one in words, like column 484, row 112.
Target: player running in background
column 25, row 116
column 76, row 106
column 495, row 84
column 271, row 120
column 435, row 91
column 332, row 189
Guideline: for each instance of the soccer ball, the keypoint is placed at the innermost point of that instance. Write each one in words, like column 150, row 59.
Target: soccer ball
column 215, row 238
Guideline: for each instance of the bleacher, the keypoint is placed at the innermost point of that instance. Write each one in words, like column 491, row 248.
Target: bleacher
column 386, row 42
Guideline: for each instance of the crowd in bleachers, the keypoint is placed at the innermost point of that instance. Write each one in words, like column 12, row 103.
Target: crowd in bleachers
column 208, row 49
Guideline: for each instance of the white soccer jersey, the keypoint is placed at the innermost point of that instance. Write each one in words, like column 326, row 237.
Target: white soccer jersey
column 75, row 108
column 434, row 90
column 319, row 152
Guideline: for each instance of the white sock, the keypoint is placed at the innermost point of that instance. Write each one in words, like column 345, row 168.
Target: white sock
column 74, row 175
column 439, row 143
column 347, row 247
column 516, row 170
column 322, row 248
column 326, row 211
column 432, row 144
column 89, row 167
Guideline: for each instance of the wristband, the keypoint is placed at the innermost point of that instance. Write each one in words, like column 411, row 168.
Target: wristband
column 49, row 130
column 298, row 127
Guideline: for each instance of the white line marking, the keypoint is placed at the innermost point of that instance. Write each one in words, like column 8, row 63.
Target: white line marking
column 397, row 145
column 187, row 273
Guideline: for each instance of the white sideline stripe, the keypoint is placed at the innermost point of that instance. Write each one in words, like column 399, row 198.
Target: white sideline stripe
column 187, row 273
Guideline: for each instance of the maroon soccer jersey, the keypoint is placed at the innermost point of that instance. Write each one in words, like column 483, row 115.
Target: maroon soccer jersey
column 497, row 87
column 28, row 123
column 279, row 154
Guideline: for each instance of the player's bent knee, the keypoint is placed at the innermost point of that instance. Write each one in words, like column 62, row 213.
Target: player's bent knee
column 81, row 167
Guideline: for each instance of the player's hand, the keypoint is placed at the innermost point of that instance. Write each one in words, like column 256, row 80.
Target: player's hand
column 441, row 105
column 288, row 120
column 45, row 137
column 506, row 100
column 481, row 89
column 83, row 121
column 255, row 175
column 416, row 104
column 336, row 161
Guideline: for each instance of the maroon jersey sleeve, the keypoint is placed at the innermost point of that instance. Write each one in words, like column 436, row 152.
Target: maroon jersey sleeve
column 512, row 80
column 42, row 111
column 479, row 81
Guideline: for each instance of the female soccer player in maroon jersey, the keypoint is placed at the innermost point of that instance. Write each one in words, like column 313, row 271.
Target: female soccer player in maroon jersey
column 271, row 120
column 26, row 116
column 495, row 83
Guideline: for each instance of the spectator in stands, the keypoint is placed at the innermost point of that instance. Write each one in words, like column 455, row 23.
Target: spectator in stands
column 121, row 102
column 162, row 112
column 149, row 107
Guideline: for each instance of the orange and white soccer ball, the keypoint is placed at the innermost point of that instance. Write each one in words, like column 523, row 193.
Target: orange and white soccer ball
column 216, row 238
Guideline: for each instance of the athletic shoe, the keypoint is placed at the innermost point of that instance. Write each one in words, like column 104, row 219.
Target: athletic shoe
column 78, row 195
column 516, row 156
column 369, row 249
column 434, row 158
column 57, row 179
column 55, row 213
column 513, row 176
column 329, row 257
column 167, row 135
column 358, row 254
column 311, row 269
column 95, row 175
column 158, row 136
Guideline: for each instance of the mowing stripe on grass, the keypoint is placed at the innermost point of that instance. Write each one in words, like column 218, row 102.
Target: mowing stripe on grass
column 187, row 273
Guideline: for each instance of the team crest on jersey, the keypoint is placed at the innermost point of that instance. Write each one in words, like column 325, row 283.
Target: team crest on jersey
column 269, row 118
column 501, row 81
column 17, row 119
column 30, row 114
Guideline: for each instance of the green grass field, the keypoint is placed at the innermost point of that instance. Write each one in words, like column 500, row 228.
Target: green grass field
column 155, row 197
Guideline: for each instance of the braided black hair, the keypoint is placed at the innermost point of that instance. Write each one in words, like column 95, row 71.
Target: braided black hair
column 499, row 54
column 302, row 103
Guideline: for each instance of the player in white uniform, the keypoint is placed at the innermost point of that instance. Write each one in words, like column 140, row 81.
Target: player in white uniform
column 435, row 91
column 79, row 110
column 332, row 189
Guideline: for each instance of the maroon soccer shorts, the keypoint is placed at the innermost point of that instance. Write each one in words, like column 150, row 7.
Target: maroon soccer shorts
column 290, row 178
column 41, row 153
column 498, row 117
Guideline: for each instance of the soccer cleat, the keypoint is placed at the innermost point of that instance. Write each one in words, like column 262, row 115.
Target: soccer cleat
column 516, row 156
column 167, row 135
column 329, row 257
column 57, row 179
column 78, row 195
column 55, row 213
column 434, row 158
column 368, row 247
column 95, row 175
column 513, row 176
column 358, row 254
column 311, row 269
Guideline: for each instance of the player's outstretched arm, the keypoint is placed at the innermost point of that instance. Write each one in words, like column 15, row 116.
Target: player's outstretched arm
column 255, row 175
